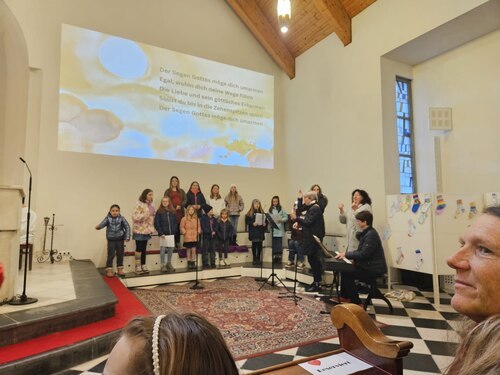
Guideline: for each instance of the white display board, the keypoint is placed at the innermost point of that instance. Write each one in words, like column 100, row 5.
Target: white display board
column 423, row 230
column 492, row 199
column 420, row 236
column 409, row 235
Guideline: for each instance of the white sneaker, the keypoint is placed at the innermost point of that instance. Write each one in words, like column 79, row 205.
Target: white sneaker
column 289, row 264
column 301, row 265
column 138, row 270
column 145, row 268
column 225, row 262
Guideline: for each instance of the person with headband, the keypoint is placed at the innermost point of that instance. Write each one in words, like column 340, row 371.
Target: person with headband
column 176, row 343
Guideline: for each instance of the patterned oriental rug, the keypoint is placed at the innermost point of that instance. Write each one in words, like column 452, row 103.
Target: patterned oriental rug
column 252, row 322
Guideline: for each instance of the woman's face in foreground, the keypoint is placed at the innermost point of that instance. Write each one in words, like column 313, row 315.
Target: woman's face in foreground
column 477, row 265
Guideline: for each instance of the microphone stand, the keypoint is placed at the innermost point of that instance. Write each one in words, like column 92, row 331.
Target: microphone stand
column 197, row 284
column 24, row 299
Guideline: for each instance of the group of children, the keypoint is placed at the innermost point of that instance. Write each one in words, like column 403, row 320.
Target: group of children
column 210, row 232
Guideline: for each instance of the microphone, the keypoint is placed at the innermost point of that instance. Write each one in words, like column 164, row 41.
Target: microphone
column 27, row 166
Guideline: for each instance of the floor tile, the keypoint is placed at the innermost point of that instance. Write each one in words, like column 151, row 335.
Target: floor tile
column 450, row 315
column 395, row 320
column 420, row 362
column 290, row 351
column 431, row 323
column 408, row 332
column 442, row 361
column 424, row 314
column 91, row 364
column 386, row 311
column 266, row 361
column 442, row 301
column 442, row 348
column 316, row 348
column 412, row 372
column 438, row 335
column 419, row 306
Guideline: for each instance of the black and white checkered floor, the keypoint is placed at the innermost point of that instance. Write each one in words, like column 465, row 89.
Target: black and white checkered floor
column 430, row 330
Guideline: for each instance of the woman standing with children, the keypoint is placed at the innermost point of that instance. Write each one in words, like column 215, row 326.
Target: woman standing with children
column 143, row 217
column 234, row 205
column 195, row 198
column 167, row 227
column 215, row 200
column 178, row 198
column 117, row 231
column 256, row 222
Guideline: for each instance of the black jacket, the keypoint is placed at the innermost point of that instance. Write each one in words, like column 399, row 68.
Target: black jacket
column 199, row 199
column 313, row 224
column 370, row 253
column 208, row 225
column 166, row 223
column 225, row 230
column 255, row 233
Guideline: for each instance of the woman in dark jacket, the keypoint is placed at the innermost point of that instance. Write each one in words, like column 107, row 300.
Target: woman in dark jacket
column 195, row 198
column 369, row 258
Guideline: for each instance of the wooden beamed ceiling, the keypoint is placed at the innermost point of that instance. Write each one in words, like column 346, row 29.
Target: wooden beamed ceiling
column 311, row 22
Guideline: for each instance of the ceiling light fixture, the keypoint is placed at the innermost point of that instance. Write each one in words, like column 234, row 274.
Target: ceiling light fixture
column 284, row 14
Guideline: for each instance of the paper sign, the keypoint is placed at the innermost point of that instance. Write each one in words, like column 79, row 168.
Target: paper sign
column 260, row 219
column 338, row 364
column 167, row 241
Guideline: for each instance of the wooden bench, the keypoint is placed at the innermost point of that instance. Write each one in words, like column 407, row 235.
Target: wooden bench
column 360, row 337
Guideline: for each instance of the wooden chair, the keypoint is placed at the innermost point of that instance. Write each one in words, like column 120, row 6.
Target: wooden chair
column 22, row 251
column 359, row 336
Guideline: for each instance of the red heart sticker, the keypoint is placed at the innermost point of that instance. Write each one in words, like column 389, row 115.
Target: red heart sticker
column 315, row 362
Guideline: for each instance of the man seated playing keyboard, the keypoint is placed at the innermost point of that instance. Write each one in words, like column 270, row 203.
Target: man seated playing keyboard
column 369, row 259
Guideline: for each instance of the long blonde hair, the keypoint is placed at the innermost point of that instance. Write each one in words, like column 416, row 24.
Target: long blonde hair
column 479, row 351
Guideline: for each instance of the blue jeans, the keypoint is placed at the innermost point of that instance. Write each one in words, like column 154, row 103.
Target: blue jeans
column 295, row 248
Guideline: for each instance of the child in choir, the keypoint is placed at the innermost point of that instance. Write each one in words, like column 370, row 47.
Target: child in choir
column 224, row 234
column 280, row 217
column 256, row 222
column 235, row 205
column 190, row 228
column 143, row 218
column 166, row 225
column 216, row 201
column 209, row 229
column 117, row 231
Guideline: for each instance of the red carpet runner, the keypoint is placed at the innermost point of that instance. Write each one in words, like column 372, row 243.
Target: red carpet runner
column 127, row 307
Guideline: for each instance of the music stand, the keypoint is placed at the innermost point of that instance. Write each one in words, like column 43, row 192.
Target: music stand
column 293, row 294
column 273, row 274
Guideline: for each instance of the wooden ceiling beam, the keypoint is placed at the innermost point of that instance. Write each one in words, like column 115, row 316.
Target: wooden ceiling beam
column 338, row 18
column 255, row 20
